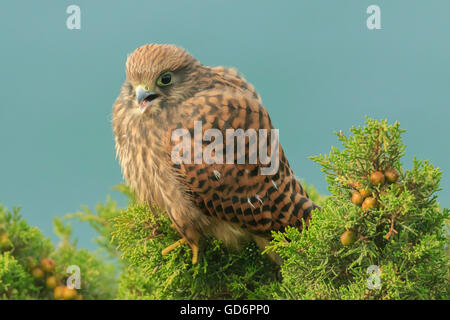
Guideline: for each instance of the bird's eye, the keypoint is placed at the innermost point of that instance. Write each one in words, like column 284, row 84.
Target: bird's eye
column 165, row 79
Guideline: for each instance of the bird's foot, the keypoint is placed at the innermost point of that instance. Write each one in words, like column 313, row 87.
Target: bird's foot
column 173, row 246
column 180, row 242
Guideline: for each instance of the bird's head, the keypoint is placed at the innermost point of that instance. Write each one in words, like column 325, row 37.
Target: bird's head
column 161, row 75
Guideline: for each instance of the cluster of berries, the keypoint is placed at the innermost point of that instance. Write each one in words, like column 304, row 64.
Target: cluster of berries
column 366, row 199
column 46, row 269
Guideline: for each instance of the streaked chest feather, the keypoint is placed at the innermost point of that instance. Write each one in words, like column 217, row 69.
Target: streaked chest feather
column 141, row 153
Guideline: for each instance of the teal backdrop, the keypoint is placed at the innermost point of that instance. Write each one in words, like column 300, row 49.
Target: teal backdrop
column 316, row 65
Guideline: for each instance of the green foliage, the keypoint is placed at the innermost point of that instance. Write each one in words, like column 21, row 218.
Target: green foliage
column 25, row 247
column 404, row 235
column 139, row 233
column 15, row 282
column 401, row 237
column 98, row 277
column 143, row 232
column 100, row 222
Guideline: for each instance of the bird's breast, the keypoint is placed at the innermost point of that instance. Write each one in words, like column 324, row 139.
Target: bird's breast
column 141, row 154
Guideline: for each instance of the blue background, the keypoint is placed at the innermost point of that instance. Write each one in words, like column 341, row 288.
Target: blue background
column 316, row 65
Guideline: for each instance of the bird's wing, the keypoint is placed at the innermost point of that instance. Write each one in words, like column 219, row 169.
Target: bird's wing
column 239, row 193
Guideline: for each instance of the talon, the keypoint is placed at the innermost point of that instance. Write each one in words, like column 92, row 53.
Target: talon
column 173, row 246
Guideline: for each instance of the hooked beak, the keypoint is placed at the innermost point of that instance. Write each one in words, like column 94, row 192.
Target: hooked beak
column 145, row 98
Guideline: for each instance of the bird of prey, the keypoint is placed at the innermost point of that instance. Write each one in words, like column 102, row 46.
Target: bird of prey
column 166, row 89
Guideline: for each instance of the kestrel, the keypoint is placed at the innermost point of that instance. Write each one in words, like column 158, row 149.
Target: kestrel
column 166, row 90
